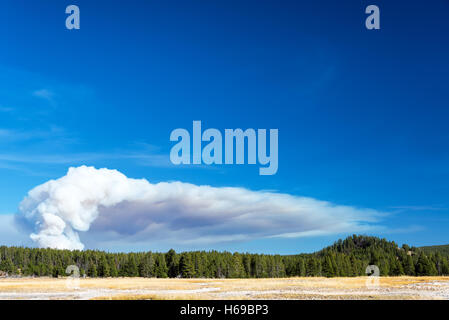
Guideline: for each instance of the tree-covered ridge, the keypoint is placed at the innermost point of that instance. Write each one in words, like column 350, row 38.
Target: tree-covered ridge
column 345, row 258
column 442, row 249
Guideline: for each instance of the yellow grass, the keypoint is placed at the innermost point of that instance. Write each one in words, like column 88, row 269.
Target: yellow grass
column 186, row 289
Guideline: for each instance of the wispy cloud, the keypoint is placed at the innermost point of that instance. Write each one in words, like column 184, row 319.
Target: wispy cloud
column 53, row 133
column 44, row 94
column 25, row 150
column 6, row 109
column 17, row 135
column 145, row 159
column 406, row 229
column 418, row 208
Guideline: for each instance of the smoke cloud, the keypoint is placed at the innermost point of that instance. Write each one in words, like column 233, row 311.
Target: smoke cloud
column 106, row 202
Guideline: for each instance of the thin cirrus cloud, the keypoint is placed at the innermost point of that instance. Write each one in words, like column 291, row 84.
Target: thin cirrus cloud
column 10, row 135
column 44, row 94
column 141, row 158
column 104, row 205
column 35, row 146
column 6, row 109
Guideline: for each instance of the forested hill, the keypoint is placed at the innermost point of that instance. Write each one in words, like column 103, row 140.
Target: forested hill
column 442, row 249
column 345, row 258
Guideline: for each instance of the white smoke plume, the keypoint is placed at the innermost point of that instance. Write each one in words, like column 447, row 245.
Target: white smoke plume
column 107, row 202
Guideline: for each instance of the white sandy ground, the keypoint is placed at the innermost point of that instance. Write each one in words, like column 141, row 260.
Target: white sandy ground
column 83, row 294
column 299, row 288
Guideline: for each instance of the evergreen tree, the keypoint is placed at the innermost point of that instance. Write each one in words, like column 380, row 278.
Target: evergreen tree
column 161, row 269
column 93, row 271
column 445, row 267
column 237, row 269
column 348, row 257
column 312, row 267
column 131, row 269
column 424, row 266
column 113, row 268
column 172, row 261
column 186, row 266
column 409, row 266
column 301, row 268
column 8, row 266
column 328, row 268
column 103, row 269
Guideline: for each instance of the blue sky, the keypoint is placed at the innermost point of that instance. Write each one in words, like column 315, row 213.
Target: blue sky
column 362, row 115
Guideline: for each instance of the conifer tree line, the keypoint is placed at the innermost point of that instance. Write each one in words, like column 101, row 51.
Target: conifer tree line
column 345, row 258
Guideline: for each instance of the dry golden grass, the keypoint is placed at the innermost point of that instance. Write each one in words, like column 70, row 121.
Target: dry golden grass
column 108, row 283
column 154, row 297
column 186, row 289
